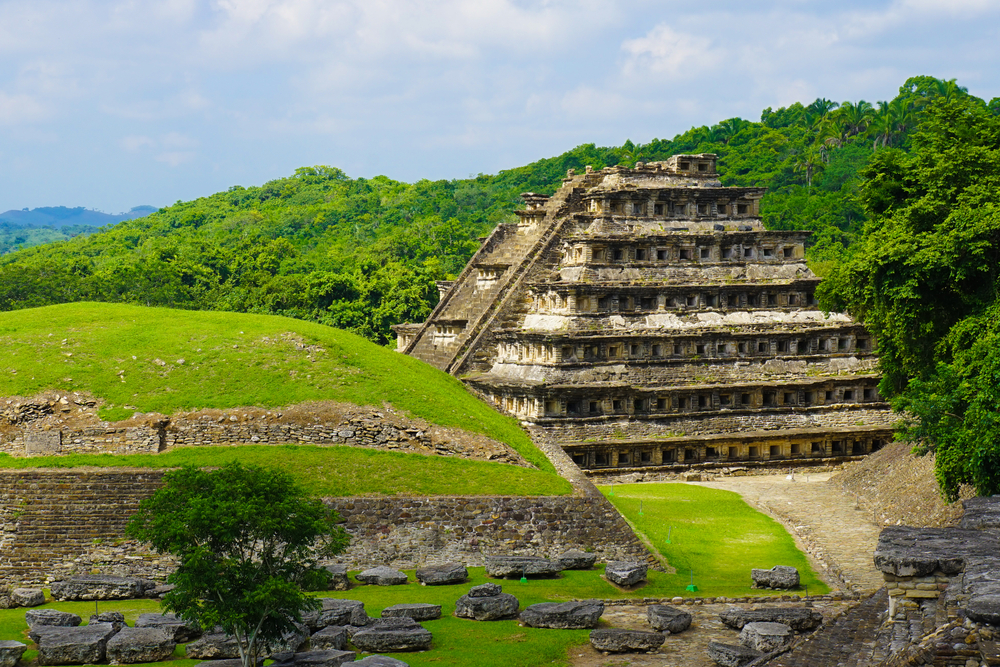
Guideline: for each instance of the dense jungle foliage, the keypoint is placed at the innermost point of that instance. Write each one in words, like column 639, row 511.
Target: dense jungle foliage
column 924, row 279
column 363, row 254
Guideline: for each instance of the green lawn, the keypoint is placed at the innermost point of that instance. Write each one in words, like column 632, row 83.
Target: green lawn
column 163, row 360
column 712, row 533
column 338, row 470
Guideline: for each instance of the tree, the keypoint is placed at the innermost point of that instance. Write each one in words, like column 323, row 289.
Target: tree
column 926, row 281
column 248, row 539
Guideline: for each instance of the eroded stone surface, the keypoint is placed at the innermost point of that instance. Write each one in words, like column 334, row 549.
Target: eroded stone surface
column 487, row 602
column 574, row 559
column 74, row 645
column 765, row 637
column 781, row 577
column 800, row 619
column 182, row 631
column 336, row 612
column 625, row 573
column 101, row 587
column 27, row 597
column 440, row 575
column 418, row 611
column 213, row 646
column 332, row 636
column 379, row 661
column 40, row 617
column 11, row 652
column 625, row 641
column 513, row 567
column 381, row 576
column 133, row 645
column 564, row 615
column 389, row 640
column 325, row 658
column 728, row 655
column 338, row 577
column 668, row 619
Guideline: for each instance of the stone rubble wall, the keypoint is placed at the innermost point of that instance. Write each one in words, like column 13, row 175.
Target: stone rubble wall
column 734, row 421
column 359, row 431
column 56, row 523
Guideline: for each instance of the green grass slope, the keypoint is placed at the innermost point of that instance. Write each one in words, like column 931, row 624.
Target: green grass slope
column 162, row 360
column 713, row 533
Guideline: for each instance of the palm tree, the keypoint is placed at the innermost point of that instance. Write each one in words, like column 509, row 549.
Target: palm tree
column 854, row 119
column 808, row 161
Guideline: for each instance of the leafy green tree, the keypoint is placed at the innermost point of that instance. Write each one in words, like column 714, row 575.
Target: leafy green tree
column 925, row 281
column 248, row 539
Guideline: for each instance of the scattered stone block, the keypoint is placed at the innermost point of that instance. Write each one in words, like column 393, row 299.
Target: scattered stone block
column 11, row 652
column 779, row 576
column 326, row 658
column 418, row 611
column 625, row 573
column 381, row 576
column 487, row 602
column 182, row 631
column 439, row 575
column 336, row 612
column 392, row 639
column 515, row 567
column 291, row 642
column 330, row 637
column 766, row 637
column 797, row 618
column 395, row 623
column 485, row 590
column 229, row 662
column 101, row 587
column 379, row 661
column 115, row 618
column 728, row 655
column 625, row 641
column 45, row 617
column 574, row 559
column 338, row 577
column 215, row 645
column 132, row 645
column 80, row 645
column 27, row 597
column 984, row 609
column 667, row 619
column 563, row 615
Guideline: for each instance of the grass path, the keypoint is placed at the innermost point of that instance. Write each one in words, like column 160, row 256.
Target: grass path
column 713, row 534
column 337, row 470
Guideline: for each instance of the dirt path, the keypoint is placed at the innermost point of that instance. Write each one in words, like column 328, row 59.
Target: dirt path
column 838, row 536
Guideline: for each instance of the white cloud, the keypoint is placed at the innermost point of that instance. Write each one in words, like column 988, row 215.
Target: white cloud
column 19, row 108
column 136, row 143
column 175, row 158
column 665, row 51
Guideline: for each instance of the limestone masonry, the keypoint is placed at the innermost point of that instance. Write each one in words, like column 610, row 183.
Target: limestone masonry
column 644, row 318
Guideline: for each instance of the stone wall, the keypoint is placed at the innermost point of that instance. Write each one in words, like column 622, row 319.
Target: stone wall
column 55, row 523
column 371, row 429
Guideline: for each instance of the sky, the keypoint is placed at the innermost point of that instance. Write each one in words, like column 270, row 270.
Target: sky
column 111, row 104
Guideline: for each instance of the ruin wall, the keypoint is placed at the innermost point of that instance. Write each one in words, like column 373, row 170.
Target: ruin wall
column 56, row 523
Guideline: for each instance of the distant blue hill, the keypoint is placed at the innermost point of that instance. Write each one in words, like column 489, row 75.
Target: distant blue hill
column 62, row 216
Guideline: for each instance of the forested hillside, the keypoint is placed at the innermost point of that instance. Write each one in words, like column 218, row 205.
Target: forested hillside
column 26, row 228
column 363, row 254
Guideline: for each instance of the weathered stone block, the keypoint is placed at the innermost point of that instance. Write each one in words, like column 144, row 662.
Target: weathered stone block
column 797, row 618
column 181, row 630
column 213, row 646
column 337, row 612
column 437, row 575
column 512, row 567
column 625, row 641
column 574, row 559
column 338, row 577
column 564, row 615
column 27, row 597
column 779, row 576
column 330, row 637
column 133, row 645
column 379, row 661
column 381, row 576
column 101, row 587
column 765, row 637
column 667, row 619
column 625, row 573
column 389, row 640
column 74, row 645
column 11, row 652
column 728, row 655
column 418, row 611
column 496, row 607
column 326, row 658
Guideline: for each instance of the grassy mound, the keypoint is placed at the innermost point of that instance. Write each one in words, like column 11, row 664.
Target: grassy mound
column 163, row 360
column 338, row 470
column 713, row 534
